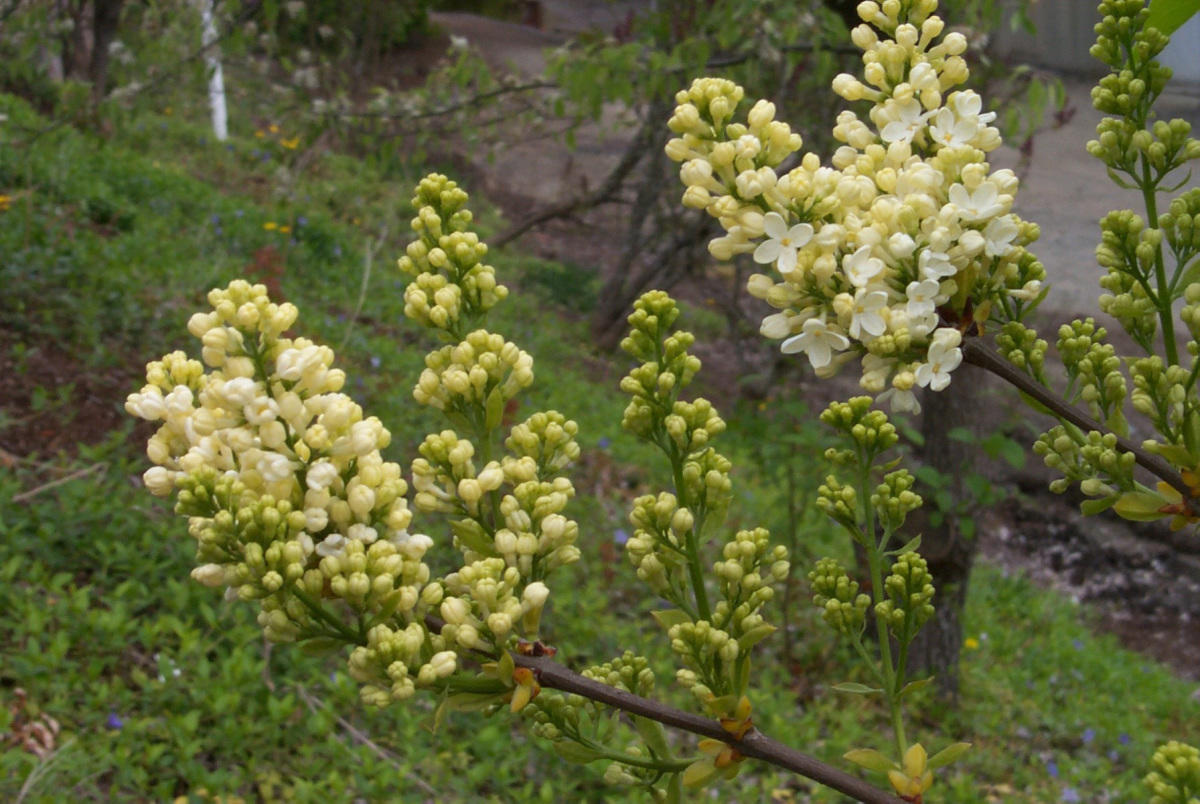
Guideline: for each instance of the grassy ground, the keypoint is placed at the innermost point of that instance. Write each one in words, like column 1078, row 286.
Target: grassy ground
column 160, row 689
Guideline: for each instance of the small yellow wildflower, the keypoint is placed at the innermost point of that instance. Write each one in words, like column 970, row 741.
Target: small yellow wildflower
column 971, row 643
column 285, row 229
column 168, row 111
column 270, row 226
column 290, row 144
column 260, row 133
column 274, row 129
column 5, row 202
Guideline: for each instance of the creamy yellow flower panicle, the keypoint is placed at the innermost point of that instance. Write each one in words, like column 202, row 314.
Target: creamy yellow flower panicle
column 283, row 483
column 901, row 245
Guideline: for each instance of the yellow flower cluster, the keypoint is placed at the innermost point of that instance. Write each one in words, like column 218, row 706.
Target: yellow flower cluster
column 905, row 242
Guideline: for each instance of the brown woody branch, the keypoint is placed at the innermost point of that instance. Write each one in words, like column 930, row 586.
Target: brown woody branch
column 755, row 744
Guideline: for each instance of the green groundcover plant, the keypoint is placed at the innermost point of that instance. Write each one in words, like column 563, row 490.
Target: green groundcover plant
column 902, row 254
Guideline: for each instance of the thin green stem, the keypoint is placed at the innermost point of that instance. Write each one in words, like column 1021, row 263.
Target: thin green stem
column 325, row 616
column 1165, row 316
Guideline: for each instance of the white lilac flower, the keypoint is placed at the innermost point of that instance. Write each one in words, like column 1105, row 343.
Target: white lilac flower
column 922, row 297
column 935, row 265
column 900, row 400
column 274, row 467
column 333, row 545
column 907, row 118
column 321, row 475
column 967, row 105
column 867, row 316
column 944, row 356
column 979, row 205
column 948, row 131
column 999, row 235
column 818, row 340
column 861, row 267
column 782, row 243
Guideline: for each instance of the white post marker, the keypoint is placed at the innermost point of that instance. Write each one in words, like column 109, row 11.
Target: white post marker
column 216, row 80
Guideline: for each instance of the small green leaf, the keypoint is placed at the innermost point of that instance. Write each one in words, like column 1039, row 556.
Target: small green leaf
column 651, row 731
column 755, row 635
column 699, row 773
column 576, row 753
column 1140, row 506
column 947, row 755
column 321, row 646
column 1168, row 15
column 912, row 544
column 854, row 688
column 471, row 535
column 870, row 759
column 1093, row 507
column 913, row 686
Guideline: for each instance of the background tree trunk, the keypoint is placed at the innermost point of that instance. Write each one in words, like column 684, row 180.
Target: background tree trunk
column 949, row 553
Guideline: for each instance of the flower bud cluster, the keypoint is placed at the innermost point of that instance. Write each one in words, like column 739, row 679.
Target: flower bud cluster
column 894, row 499
column 909, row 591
column 1095, row 371
column 1022, row 347
column 1180, row 225
column 396, row 660
column 1176, row 775
column 280, row 474
column 843, row 607
column 628, row 672
column 658, row 547
column 487, row 602
column 869, row 429
column 1092, row 460
column 483, row 370
column 708, row 654
column 904, row 241
column 452, row 288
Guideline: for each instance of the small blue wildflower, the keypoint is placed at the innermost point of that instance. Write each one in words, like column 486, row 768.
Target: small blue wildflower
column 1052, row 768
column 114, row 721
column 1077, row 644
column 1088, row 735
column 337, row 250
column 229, row 147
column 215, row 219
column 620, row 536
column 1070, row 794
column 1114, row 755
column 1123, row 738
column 375, row 361
column 604, row 442
column 301, row 221
column 237, row 213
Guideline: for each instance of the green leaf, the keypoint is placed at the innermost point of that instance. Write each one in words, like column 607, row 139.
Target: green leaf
column 1093, row 507
column 1140, row 506
column 699, row 773
column 912, row 544
column 913, row 686
column 854, row 688
column 471, row 535
column 669, row 617
column 321, row 646
column 1168, row 15
column 576, row 753
column 651, row 731
column 755, row 635
column 947, row 755
column 870, row 759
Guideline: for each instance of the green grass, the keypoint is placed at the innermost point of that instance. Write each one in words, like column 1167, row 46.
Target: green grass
column 162, row 688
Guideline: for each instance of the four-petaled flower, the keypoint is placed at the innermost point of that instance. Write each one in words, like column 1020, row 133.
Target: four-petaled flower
column 935, row 265
column 818, row 340
column 909, row 117
column 867, row 316
column 979, row 205
column 944, row 356
column 922, row 297
column 782, row 243
column 998, row 236
column 861, row 267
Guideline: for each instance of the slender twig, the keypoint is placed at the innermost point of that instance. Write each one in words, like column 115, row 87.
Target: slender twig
column 755, row 744
column 980, row 354
column 368, row 258
column 25, row 495
column 360, row 737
